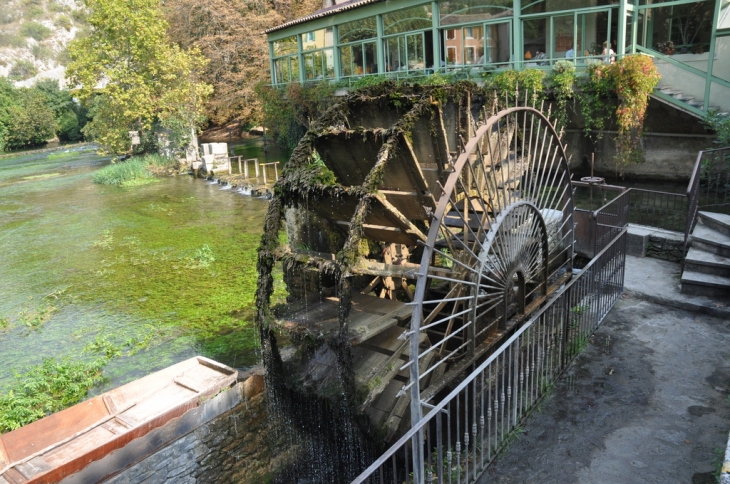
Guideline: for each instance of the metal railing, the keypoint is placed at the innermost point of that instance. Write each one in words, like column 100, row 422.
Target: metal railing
column 709, row 187
column 461, row 435
column 663, row 210
column 610, row 220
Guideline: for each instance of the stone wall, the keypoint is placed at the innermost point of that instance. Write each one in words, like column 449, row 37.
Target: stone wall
column 223, row 440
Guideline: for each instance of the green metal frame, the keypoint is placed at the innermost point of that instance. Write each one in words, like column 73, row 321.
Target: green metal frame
column 627, row 41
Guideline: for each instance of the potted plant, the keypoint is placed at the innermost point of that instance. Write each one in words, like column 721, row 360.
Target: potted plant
column 666, row 48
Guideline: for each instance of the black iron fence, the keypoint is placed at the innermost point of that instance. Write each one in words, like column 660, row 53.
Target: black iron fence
column 461, row 435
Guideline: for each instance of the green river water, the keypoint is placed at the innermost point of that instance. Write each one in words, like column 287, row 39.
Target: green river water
column 166, row 270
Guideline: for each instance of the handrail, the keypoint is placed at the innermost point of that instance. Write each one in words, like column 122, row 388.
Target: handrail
column 415, row 434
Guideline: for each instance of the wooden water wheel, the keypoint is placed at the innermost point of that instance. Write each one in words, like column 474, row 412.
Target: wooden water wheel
column 420, row 232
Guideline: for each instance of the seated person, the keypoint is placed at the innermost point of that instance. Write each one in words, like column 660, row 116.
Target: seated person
column 570, row 54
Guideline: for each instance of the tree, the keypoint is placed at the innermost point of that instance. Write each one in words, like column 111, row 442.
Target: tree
column 132, row 77
column 7, row 101
column 31, row 120
column 229, row 34
column 70, row 116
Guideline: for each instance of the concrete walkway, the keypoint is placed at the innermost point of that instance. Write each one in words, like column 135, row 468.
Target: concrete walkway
column 647, row 402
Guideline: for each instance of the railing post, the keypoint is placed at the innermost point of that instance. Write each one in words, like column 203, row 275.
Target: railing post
column 256, row 165
column 239, row 165
column 264, row 170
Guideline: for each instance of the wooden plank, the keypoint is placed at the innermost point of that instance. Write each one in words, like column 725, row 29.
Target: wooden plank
column 350, row 154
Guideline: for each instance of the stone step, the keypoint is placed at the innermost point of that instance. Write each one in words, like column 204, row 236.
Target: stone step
column 699, row 284
column 709, row 240
column 717, row 221
column 707, row 263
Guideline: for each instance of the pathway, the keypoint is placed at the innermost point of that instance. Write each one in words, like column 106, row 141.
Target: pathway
column 647, row 402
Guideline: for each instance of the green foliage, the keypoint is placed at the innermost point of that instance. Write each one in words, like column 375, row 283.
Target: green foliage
column 288, row 112
column 22, row 70
column 202, row 258
column 47, row 388
column 64, row 22
column 132, row 172
column 595, row 90
column 147, row 79
column 126, row 173
column 634, row 78
column 9, row 39
column 561, row 80
column 367, row 81
column 510, row 81
column 35, row 30
column 721, row 126
column 31, row 121
column 41, row 52
column 34, row 11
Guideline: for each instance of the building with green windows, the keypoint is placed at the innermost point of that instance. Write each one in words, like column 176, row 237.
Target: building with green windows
column 688, row 39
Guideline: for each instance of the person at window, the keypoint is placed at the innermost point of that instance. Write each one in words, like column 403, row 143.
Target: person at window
column 540, row 58
column 570, row 54
column 609, row 56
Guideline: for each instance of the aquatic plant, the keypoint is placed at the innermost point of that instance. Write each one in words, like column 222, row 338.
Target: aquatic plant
column 47, row 388
column 133, row 172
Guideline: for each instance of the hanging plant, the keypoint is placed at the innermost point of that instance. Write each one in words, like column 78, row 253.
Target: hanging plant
column 634, row 78
column 595, row 88
column 561, row 81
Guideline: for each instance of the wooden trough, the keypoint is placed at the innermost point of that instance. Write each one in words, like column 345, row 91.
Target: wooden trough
column 61, row 444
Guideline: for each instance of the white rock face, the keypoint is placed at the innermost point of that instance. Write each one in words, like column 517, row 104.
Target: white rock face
column 56, row 43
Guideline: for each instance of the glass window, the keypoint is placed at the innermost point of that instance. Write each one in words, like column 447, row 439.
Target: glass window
column 358, row 59
column 358, row 30
column 405, row 52
column 538, row 6
column 723, row 21
column 285, row 46
column 318, row 39
column 318, row 65
column 466, row 11
column 286, row 70
column 407, row 20
column 721, row 64
column 535, row 41
column 498, row 44
column 466, row 45
column 679, row 29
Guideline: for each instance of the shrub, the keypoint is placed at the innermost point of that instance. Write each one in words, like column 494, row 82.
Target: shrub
column 79, row 15
column 510, row 81
column 31, row 121
column 720, row 124
column 34, row 12
column 35, row 30
column 7, row 16
column 64, row 22
column 8, row 39
column 41, row 52
column 22, row 70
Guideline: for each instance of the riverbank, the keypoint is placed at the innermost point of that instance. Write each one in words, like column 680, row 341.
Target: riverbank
column 45, row 150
